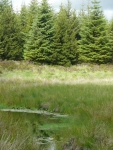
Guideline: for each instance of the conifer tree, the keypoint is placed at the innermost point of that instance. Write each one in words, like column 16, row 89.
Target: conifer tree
column 32, row 12
column 94, row 44
column 24, row 19
column 27, row 16
column 66, row 36
column 1, row 28
column 60, row 27
column 111, row 37
column 9, row 33
column 70, row 47
column 23, row 23
column 39, row 44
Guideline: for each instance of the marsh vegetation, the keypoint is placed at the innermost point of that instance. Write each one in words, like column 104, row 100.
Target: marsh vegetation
column 83, row 92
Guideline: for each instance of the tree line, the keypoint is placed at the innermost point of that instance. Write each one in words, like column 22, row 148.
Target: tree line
column 38, row 33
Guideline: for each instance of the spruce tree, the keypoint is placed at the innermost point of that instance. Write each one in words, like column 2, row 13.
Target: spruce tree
column 23, row 23
column 60, row 27
column 66, row 36
column 24, row 19
column 39, row 43
column 70, row 46
column 111, row 37
column 1, row 28
column 10, row 47
column 32, row 12
column 94, row 46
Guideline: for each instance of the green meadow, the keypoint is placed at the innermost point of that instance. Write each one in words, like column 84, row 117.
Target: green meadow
column 83, row 92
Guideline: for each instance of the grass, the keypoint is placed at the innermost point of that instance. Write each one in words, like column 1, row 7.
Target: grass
column 52, row 97
column 84, row 92
column 27, row 72
column 14, row 134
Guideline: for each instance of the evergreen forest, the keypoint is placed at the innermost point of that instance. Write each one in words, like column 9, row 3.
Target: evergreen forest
column 39, row 34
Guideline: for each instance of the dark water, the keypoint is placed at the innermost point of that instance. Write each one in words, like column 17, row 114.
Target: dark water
column 43, row 128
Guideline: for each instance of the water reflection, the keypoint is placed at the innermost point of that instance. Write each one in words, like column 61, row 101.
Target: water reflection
column 52, row 145
column 42, row 128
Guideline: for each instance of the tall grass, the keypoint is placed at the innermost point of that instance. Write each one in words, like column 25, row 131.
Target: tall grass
column 60, row 97
column 14, row 135
column 84, row 92
column 25, row 71
column 89, row 106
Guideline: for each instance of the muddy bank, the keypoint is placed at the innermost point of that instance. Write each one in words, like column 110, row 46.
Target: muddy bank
column 34, row 112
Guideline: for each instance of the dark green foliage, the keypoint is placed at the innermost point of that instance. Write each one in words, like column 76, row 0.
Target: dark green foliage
column 60, row 26
column 61, row 38
column 10, row 43
column 94, row 44
column 24, row 19
column 66, row 37
column 39, row 44
column 111, row 37
column 32, row 12
column 27, row 16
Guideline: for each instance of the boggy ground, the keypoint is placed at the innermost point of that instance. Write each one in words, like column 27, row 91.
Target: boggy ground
column 84, row 92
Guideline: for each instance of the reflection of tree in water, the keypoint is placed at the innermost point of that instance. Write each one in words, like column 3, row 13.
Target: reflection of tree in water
column 42, row 137
column 39, row 132
column 45, row 133
column 39, row 128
